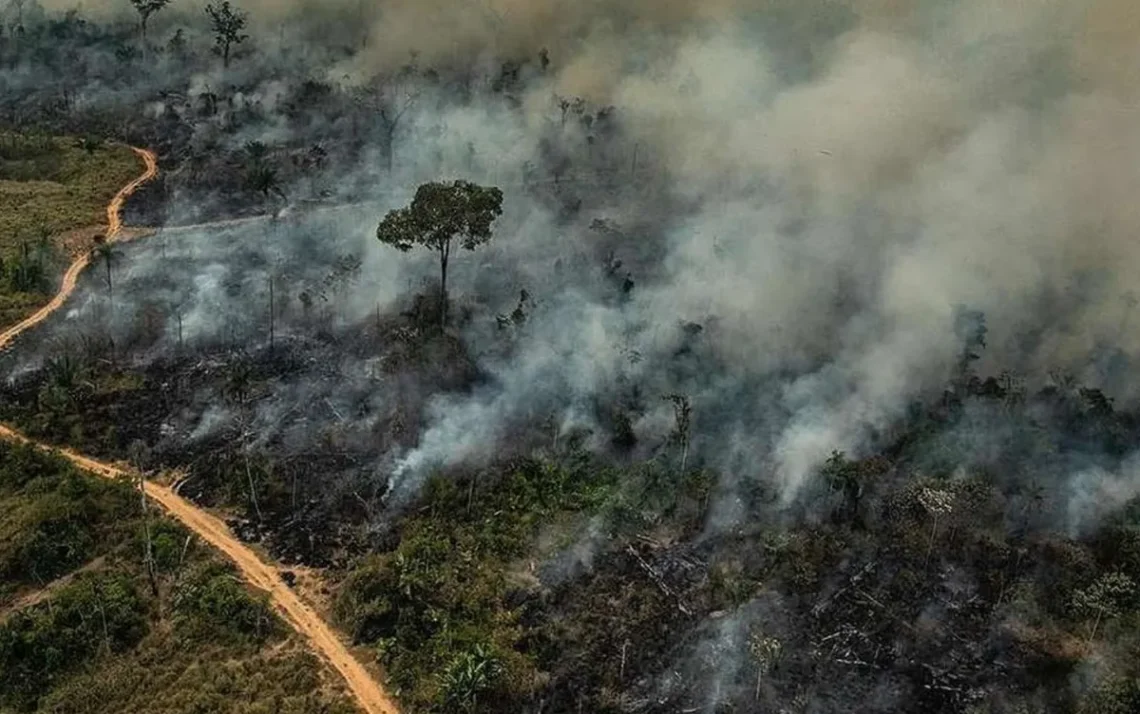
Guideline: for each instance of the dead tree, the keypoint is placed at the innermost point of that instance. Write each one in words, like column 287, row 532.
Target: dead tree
column 391, row 103
column 138, row 456
column 659, row 581
column 272, row 314
column 683, row 416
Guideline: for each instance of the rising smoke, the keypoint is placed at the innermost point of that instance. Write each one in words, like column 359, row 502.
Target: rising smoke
column 819, row 185
column 778, row 208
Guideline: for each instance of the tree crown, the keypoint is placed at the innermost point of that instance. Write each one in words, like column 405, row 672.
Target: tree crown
column 228, row 23
column 441, row 212
column 146, row 8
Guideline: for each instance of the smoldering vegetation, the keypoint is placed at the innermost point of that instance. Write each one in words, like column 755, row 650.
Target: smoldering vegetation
column 804, row 343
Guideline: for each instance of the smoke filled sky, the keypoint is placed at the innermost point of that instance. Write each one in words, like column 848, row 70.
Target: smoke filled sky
column 856, row 172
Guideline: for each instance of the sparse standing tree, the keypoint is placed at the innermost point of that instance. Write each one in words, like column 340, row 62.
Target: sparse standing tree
column 260, row 175
column 103, row 250
column 360, row 17
column 440, row 214
column 970, row 327
column 263, row 179
column 177, row 44
column 1109, row 596
column 146, row 8
column 390, row 115
column 683, row 414
column 100, row 608
column 390, row 99
column 18, row 28
column 937, row 503
column 138, row 457
column 272, row 314
column 238, row 387
column 228, row 24
column 765, row 652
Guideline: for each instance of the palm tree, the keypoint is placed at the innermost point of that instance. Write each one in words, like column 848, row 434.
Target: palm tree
column 103, row 250
column 263, row 179
column 469, row 675
column 256, row 151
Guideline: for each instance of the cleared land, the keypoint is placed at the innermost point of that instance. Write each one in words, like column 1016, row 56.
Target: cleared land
column 49, row 186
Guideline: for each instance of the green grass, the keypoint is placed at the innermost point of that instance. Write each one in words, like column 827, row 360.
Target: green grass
column 48, row 186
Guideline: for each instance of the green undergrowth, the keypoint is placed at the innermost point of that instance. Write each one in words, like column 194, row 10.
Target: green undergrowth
column 86, row 626
column 462, row 623
column 443, row 609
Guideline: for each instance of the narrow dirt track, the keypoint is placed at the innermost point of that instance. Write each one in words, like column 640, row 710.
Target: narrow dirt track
column 71, row 277
column 369, row 695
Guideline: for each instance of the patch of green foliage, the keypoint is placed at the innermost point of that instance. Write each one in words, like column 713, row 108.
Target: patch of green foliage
column 99, row 640
column 441, row 609
column 49, row 185
column 53, row 518
column 436, row 608
column 40, row 645
column 210, row 603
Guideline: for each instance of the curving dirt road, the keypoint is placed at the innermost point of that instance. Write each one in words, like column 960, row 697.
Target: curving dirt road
column 369, row 695
column 114, row 227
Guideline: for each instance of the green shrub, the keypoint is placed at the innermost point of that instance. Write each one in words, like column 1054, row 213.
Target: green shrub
column 101, row 613
column 210, row 603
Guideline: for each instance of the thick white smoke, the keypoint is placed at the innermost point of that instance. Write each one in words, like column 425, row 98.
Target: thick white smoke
column 820, row 185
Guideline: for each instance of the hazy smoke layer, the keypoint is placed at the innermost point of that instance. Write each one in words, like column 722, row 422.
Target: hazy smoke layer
column 851, row 174
column 776, row 208
column 820, row 185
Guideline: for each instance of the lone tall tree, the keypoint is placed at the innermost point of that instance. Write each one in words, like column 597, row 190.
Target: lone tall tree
column 228, row 25
column 439, row 214
column 145, row 9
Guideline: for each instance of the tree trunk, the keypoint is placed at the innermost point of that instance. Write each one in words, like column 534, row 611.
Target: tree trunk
column 272, row 316
column 103, row 617
column 444, row 254
column 389, row 143
column 252, row 489
column 185, row 547
column 226, row 55
column 150, row 565
column 930, row 547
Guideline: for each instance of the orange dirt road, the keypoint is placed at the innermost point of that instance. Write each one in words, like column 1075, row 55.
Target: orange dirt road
column 70, row 278
column 369, row 695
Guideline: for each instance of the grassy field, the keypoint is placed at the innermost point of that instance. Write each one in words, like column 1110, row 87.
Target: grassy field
column 48, row 186
column 87, row 627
